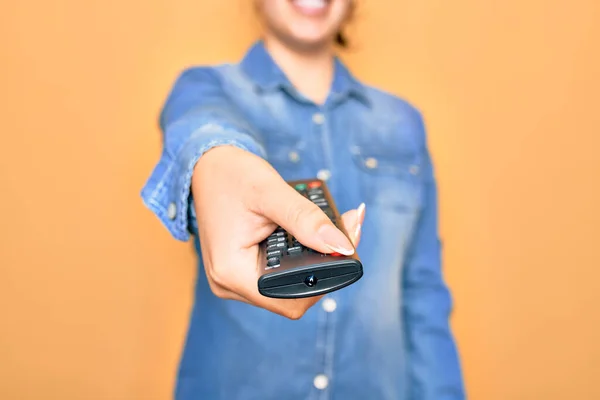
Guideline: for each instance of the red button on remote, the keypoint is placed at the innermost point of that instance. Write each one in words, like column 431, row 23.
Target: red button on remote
column 315, row 184
column 336, row 254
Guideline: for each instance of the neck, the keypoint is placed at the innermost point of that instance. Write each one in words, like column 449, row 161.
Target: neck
column 311, row 72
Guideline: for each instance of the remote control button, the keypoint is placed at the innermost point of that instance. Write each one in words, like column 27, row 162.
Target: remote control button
column 277, row 234
column 280, row 245
column 271, row 262
column 294, row 251
column 276, row 240
column 274, row 253
column 335, row 254
column 314, row 185
column 301, row 186
column 298, row 244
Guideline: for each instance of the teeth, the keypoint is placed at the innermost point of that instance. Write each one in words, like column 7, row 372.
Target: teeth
column 310, row 3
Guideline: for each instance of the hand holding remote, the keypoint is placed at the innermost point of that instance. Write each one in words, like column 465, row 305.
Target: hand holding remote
column 240, row 199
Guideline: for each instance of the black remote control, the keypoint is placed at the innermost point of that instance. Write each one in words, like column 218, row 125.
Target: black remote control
column 291, row 270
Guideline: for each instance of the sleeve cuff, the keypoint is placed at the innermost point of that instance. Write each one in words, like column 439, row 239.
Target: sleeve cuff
column 167, row 191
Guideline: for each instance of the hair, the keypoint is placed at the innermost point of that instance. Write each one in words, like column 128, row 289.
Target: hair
column 341, row 40
column 340, row 37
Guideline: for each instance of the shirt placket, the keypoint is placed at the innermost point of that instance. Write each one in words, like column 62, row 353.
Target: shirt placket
column 325, row 348
column 324, row 373
column 321, row 128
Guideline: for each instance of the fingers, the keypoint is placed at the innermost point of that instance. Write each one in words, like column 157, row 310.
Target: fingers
column 238, row 198
column 302, row 218
column 241, row 284
column 289, row 308
column 237, row 286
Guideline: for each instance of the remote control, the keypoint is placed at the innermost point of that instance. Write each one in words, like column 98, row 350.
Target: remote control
column 291, row 270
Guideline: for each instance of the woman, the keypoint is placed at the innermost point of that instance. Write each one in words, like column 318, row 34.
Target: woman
column 289, row 110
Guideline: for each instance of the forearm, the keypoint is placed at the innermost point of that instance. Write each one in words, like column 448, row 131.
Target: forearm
column 168, row 189
column 196, row 117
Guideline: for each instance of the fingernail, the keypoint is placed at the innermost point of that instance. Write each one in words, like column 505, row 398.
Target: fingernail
column 359, row 214
column 357, row 231
column 335, row 240
column 360, row 211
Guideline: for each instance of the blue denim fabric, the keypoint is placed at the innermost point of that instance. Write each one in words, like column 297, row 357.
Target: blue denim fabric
column 386, row 336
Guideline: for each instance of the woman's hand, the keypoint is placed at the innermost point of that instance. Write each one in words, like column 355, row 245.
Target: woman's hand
column 240, row 199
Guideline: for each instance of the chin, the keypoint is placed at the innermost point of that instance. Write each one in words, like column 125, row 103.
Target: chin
column 306, row 44
column 308, row 36
column 305, row 24
column 312, row 41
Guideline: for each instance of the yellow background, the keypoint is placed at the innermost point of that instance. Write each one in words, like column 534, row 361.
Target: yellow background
column 94, row 294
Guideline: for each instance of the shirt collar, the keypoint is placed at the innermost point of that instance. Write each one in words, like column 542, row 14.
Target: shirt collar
column 267, row 76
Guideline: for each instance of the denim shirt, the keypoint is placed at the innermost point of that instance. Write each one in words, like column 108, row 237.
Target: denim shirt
column 386, row 336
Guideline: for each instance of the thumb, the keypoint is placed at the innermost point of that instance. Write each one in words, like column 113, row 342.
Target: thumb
column 306, row 221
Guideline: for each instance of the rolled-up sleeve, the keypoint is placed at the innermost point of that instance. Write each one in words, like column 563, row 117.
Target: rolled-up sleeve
column 197, row 116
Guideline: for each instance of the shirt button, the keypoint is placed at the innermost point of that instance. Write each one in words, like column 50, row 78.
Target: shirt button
column 371, row 163
column 414, row 169
column 329, row 304
column 172, row 211
column 321, row 382
column 318, row 118
column 324, row 174
column 294, row 156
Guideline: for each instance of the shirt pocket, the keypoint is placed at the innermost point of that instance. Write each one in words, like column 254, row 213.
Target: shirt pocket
column 390, row 178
